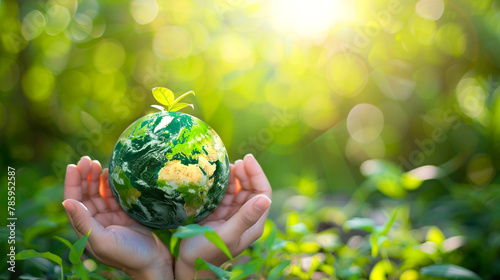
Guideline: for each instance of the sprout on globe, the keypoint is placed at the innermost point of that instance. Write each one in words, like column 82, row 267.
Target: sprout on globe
column 168, row 168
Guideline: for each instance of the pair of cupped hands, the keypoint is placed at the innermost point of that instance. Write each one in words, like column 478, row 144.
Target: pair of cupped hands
column 119, row 241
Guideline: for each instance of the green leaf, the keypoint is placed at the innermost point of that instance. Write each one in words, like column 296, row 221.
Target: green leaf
column 374, row 245
column 217, row 241
column 69, row 245
column 163, row 235
column 164, row 96
column 79, row 247
column 243, row 270
column 38, row 228
column 449, row 271
column 277, row 270
column 192, row 230
column 271, row 237
column 389, row 223
column 96, row 276
column 28, row 254
column 181, row 97
column 300, row 229
column 201, row 264
column 179, row 106
column 76, row 250
column 161, row 108
column 81, row 271
column 381, row 269
column 175, row 245
column 435, row 235
column 365, row 224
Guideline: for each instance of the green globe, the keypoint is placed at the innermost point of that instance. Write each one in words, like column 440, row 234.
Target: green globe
column 167, row 167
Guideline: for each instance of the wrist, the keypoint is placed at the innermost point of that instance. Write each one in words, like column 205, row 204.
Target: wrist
column 163, row 272
column 185, row 271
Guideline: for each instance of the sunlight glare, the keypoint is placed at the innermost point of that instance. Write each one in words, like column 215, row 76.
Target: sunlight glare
column 310, row 18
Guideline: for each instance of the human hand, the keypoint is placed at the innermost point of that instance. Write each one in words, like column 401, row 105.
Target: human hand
column 239, row 219
column 116, row 239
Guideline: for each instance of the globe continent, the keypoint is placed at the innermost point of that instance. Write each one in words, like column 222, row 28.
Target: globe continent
column 167, row 167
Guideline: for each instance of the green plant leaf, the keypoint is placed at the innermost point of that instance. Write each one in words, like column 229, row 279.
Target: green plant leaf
column 271, row 237
column 374, row 245
column 68, row 244
column 278, row 270
column 164, row 235
column 179, row 106
column 449, row 271
column 81, row 271
column 388, row 224
column 243, row 270
column 28, row 254
column 79, row 247
column 192, row 230
column 174, row 246
column 365, row 224
column 164, row 96
column 161, row 108
column 217, row 241
column 75, row 253
column 435, row 235
column 201, row 264
column 96, row 276
column 38, row 228
column 181, row 97
column 300, row 229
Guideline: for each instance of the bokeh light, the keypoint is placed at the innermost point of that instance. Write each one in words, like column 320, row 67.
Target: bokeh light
column 144, row 11
column 173, row 42
column 109, row 56
column 38, row 83
column 347, row 74
column 365, row 123
column 430, row 9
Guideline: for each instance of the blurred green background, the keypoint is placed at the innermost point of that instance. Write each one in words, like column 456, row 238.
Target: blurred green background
column 359, row 105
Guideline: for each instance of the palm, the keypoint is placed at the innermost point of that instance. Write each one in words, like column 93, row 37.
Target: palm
column 239, row 190
column 117, row 239
column 246, row 181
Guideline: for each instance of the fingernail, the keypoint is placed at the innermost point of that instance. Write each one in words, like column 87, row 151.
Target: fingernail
column 69, row 206
column 236, row 162
column 262, row 203
column 249, row 155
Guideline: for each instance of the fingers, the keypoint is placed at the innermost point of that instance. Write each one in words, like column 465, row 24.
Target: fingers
column 96, row 201
column 246, row 223
column 231, row 187
column 82, row 221
column 94, row 178
column 84, row 166
column 82, row 183
column 106, row 193
column 241, row 175
column 72, row 183
column 256, row 176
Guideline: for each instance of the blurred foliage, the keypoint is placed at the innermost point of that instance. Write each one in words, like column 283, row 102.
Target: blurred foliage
column 355, row 106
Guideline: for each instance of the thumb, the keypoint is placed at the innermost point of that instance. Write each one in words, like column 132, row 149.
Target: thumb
column 81, row 219
column 249, row 214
